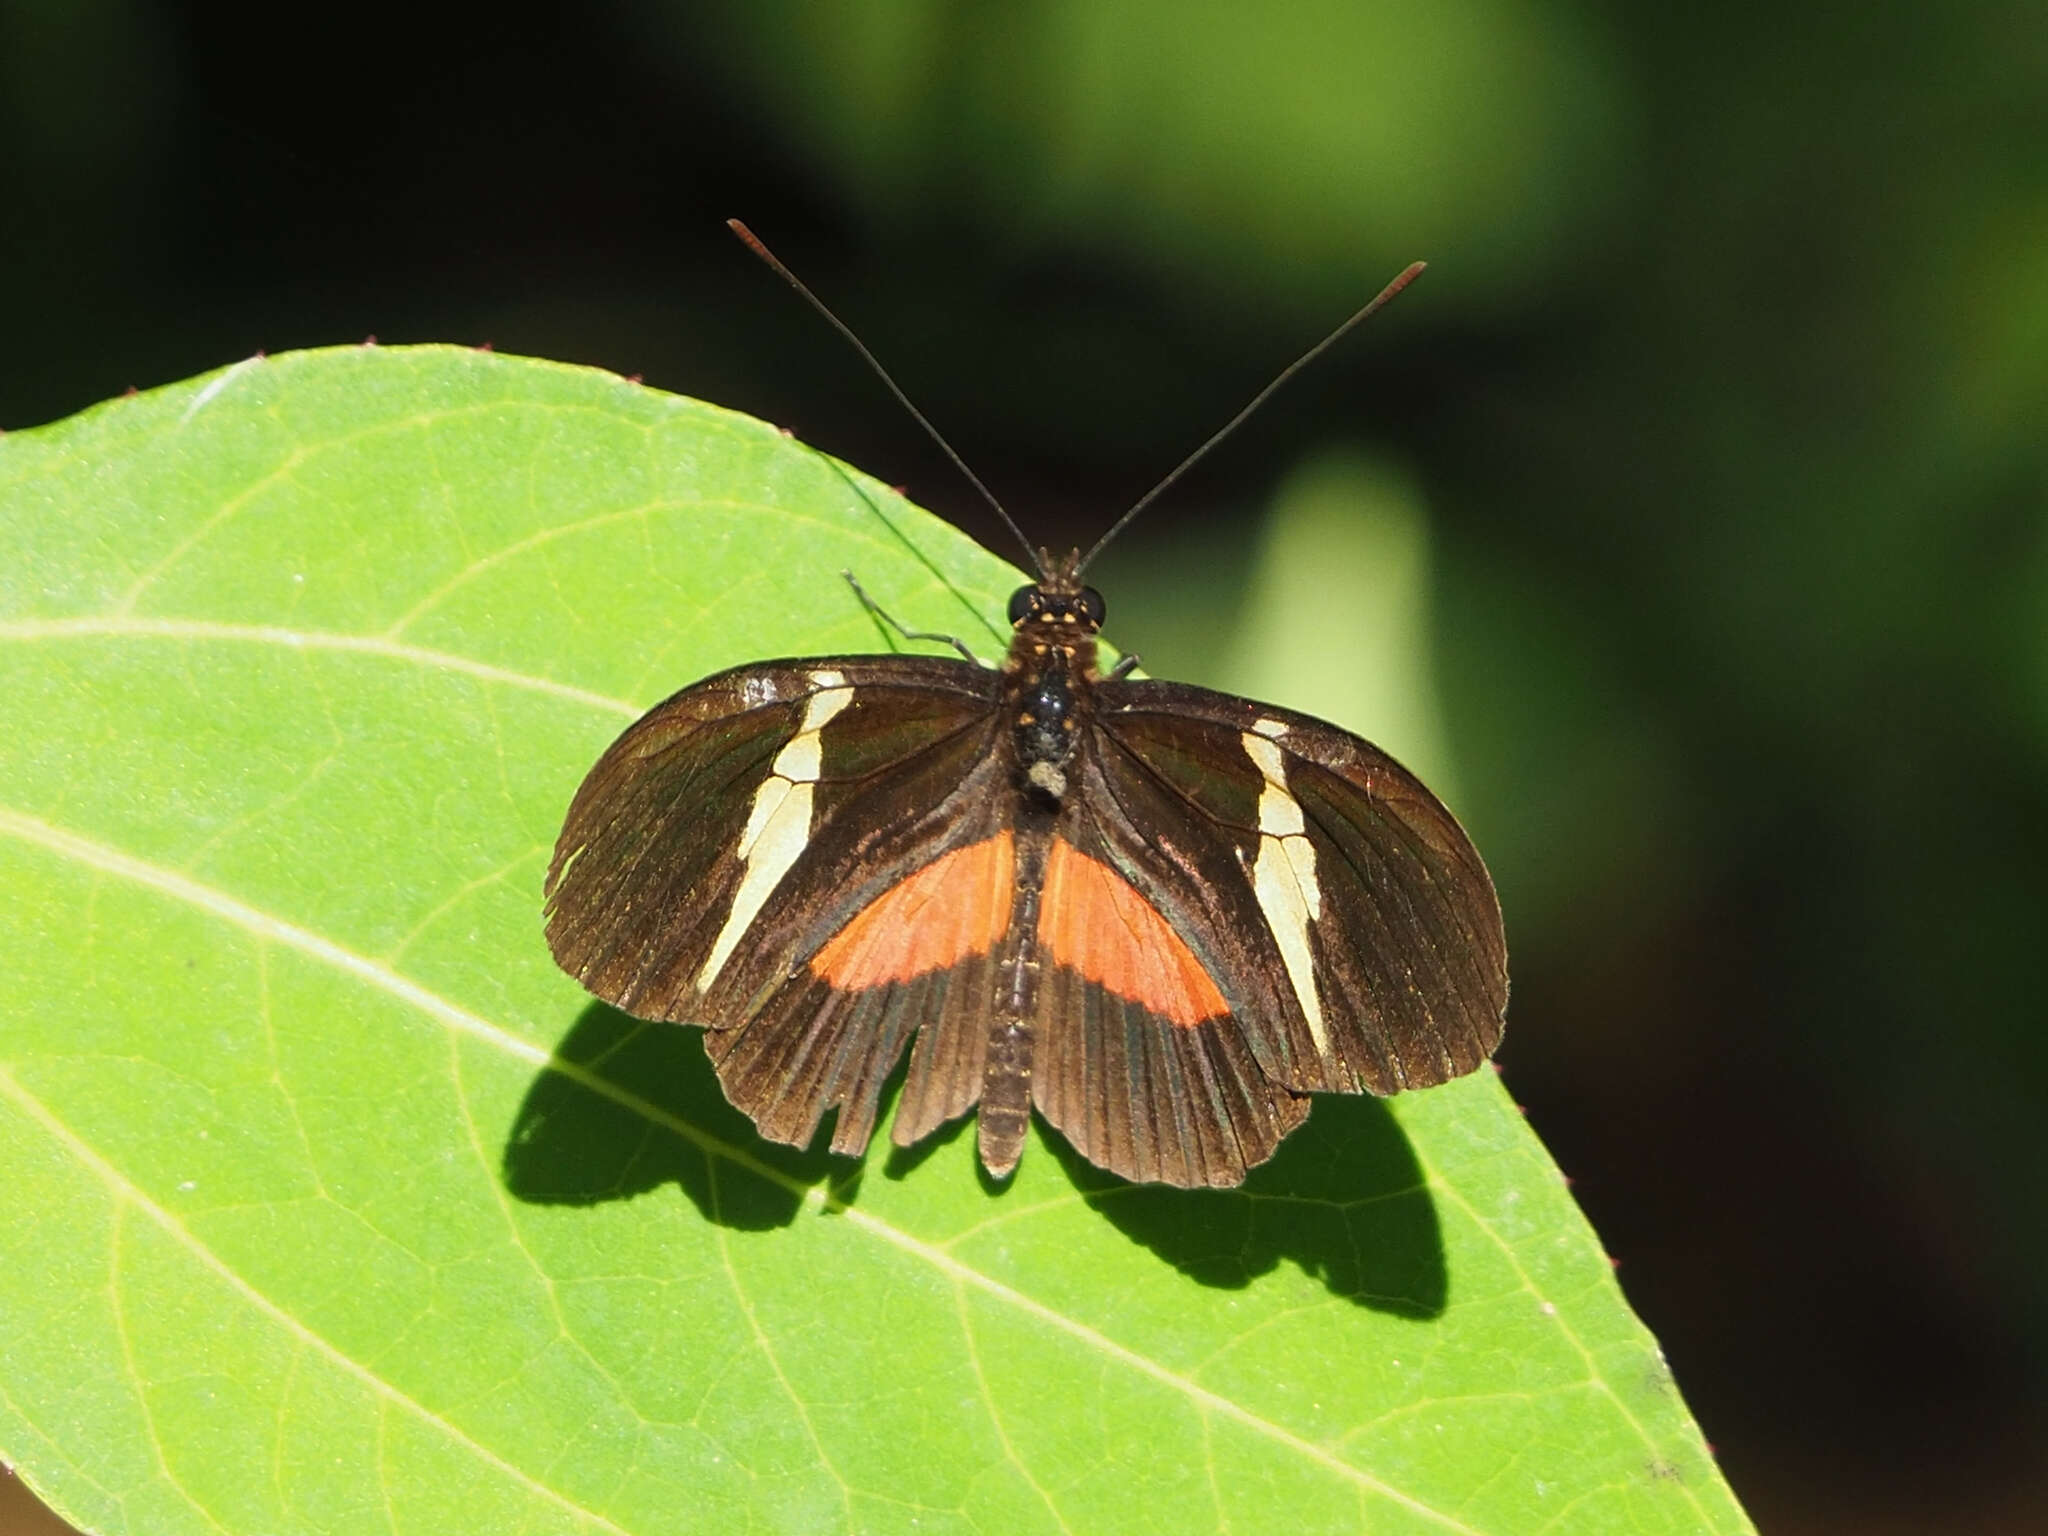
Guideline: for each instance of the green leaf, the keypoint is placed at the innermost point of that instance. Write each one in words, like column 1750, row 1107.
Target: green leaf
column 334, row 1206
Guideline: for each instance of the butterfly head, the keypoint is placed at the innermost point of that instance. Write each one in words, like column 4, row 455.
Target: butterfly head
column 1058, row 598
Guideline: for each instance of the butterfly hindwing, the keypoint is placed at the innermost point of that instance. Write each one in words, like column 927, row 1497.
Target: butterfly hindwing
column 907, row 953
column 1142, row 1054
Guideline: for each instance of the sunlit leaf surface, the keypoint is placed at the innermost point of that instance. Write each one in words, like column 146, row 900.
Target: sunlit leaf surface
column 333, row 1206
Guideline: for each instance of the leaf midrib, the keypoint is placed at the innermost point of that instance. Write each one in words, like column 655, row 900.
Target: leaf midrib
column 312, row 640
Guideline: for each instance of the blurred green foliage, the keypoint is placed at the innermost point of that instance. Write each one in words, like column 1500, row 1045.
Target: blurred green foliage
column 1204, row 144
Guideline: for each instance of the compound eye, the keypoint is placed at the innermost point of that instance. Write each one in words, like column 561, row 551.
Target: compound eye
column 1023, row 603
column 1090, row 604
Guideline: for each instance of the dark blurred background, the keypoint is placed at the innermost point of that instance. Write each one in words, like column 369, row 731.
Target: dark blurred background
column 1705, row 479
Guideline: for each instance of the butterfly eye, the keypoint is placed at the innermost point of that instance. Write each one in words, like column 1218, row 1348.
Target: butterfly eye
column 1090, row 604
column 1022, row 604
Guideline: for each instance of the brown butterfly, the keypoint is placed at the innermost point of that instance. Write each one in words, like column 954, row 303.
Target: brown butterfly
column 1159, row 915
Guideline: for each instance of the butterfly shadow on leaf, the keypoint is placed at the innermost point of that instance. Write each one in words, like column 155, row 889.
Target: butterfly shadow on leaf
column 626, row 1106
column 1344, row 1198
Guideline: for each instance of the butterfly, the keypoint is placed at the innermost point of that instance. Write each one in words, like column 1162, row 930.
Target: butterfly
column 1157, row 915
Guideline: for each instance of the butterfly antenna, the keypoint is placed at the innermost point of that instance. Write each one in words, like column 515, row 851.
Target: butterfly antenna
column 753, row 243
column 1379, row 301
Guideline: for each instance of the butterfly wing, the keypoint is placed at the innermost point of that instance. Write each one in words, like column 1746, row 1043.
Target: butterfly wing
column 1345, row 920
column 1234, row 906
column 824, row 784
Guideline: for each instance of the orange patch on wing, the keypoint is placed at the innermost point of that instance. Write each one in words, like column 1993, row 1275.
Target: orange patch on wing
column 1092, row 921
column 957, row 905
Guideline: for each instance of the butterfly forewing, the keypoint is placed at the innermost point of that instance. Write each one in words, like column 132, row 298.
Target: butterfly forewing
column 730, row 831
column 646, row 859
column 1399, row 953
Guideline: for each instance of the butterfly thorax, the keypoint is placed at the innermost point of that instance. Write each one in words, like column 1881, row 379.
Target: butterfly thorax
column 1048, row 672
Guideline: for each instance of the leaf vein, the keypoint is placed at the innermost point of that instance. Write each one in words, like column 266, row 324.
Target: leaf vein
column 1446, row 1190
column 127, row 1194
column 768, row 1353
